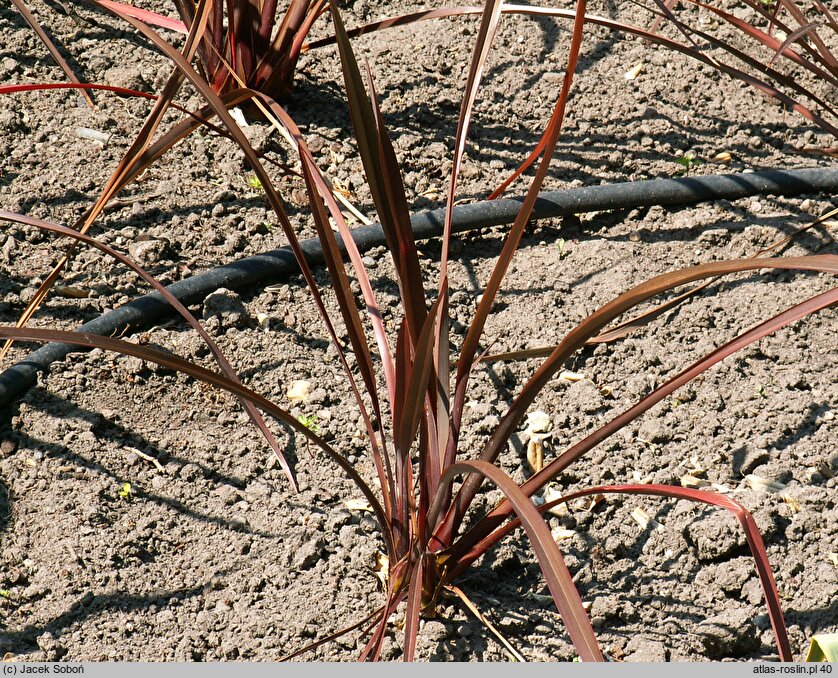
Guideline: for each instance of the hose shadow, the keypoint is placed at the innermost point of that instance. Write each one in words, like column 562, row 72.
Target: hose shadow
column 89, row 605
column 106, row 430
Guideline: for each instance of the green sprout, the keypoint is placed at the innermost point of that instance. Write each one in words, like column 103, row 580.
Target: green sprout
column 689, row 160
column 309, row 421
column 126, row 491
column 254, row 182
column 760, row 393
column 5, row 594
column 560, row 244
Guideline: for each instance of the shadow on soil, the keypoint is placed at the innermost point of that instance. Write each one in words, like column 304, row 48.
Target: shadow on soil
column 117, row 434
column 26, row 639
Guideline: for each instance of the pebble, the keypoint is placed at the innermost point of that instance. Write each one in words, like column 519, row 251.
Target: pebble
column 148, row 252
column 227, row 306
column 731, row 634
column 229, row 494
column 8, row 66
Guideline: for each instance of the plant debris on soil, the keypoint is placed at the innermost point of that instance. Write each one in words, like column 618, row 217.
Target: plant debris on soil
column 142, row 518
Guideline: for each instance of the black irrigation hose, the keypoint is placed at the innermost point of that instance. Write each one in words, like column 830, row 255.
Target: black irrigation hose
column 278, row 264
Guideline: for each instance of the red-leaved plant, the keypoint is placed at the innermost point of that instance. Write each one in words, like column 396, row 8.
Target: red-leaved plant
column 415, row 440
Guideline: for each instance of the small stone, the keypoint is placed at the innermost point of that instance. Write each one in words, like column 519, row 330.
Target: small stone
column 615, row 159
column 7, row 447
column 586, row 396
column 257, row 490
column 229, row 494
column 227, row 306
column 435, row 630
column 191, row 472
column 644, row 650
column 731, row 634
column 732, row 575
column 750, row 460
column 716, row 537
column 131, row 365
column 51, row 647
column 308, row 554
column 654, row 432
column 148, row 252
column 487, row 424
column 128, row 77
column 8, row 66
column 464, row 630
column 469, row 171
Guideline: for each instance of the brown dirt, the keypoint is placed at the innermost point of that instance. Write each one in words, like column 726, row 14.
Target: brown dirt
column 214, row 558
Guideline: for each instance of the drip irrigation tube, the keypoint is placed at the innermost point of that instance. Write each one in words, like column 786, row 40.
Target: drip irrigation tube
column 278, row 264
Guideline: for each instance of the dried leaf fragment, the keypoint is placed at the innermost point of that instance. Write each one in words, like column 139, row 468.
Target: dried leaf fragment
column 237, row 115
column 69, row 292
column 146, row 457
column 756, row 482
column 538, row 422
column 696, row 469
column 341, row 187
column 539, row 597
column 560, row 533
column 691, row 481
column 93, row 135
column 299, row 390
column 535, row 454
column 792, row 503
column 633, row 72
column 645, row 520
column 594, row 501
column 358, row 505
column 382, row 568
column 551, row 494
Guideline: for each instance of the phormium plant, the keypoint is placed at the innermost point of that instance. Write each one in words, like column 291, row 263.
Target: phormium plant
column 415, row 422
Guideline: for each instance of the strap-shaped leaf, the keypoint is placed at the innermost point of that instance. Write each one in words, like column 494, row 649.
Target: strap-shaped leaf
column 50, row 45
column 470, row 345
column 550, row 559
column 549, row 472
column 742, row 515
column 190, row 369
column 222, row 361
column 591, row 326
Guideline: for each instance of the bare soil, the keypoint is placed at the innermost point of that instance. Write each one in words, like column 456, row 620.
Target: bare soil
column 212, row 557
